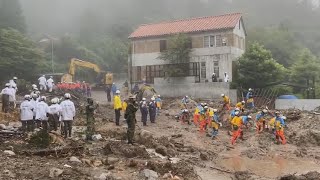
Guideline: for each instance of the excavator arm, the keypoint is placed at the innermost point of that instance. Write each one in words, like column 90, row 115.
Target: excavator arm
column 77, row 62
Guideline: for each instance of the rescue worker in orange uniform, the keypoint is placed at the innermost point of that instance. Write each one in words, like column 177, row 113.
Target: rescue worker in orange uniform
column 261, row 121
column 240, row 105
column 277, row 125
column 226, row 102
column 237, row 123
column 196, row 115
column 203, row 119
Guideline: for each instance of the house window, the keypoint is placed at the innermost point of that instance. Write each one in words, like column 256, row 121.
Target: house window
column 218, row 40
column 216, row 68
column 163, row 45
column 209, row 41
column 203, row 70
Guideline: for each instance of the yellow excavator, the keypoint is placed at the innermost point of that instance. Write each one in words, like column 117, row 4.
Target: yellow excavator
column 103, row 77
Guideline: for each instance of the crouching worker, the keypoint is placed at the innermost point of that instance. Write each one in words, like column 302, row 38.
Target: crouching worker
column 42, row 113
column 26, row 114
column 54, row 114
column 215, row 124
column 236, row 127
column 68, row 112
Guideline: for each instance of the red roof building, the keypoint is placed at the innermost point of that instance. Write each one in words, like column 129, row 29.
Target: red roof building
column 216, row 43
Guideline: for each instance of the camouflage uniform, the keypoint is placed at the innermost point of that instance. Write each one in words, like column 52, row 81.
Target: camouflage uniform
column 90, row 108
column 130, row 116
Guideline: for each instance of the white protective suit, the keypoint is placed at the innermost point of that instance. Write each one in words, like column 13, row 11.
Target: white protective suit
column 226, row 78
column 42, row 83
column 68, row 110
column 6, row 91
column 12, row 94
column 50, row 84
column 34, row 105
column 55, row 109
column 26, row 110
column 41, row 111
column 13, row 84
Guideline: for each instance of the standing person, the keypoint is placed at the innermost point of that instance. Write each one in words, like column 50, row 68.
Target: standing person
column 84, row 88
column 226, row 102
column 13, row 83
column 215, row 124
column 159, row 104
column 135, row 89
column 152, row 110
column 90, row 110
column 226, row 77
column 214, row 77
column 26, row 114
column 42, row 111
column 130, row 116
column 88, row 90
column 114, row 89
column 117, row 105
column 108, row 91
column 43, row 83
column 12, row 98
column 6, row 93
column 140, row 105
column 185, row 100
column 249, row 97
column 144, row 113
column 50, row 83
column 126, row 87
column 54, row 114
column 68, row 112
column 34, row 101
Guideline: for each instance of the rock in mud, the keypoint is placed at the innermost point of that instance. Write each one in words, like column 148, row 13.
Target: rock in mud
column 55, row 172
column 112, row 160
column 161, row 150
column 243, row 175
column 8, row 173
column 313, row 175
column 74, row 159
column 103, row 176
column 149, row 174
column 122, row 149
column 10, row 153
column 2, row 126
column 204, row 156
column 96, row 137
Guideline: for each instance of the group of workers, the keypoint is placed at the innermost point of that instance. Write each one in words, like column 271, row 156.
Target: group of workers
column 35, row 112
column 206, row 118
column 8, row 95
column 151, row 107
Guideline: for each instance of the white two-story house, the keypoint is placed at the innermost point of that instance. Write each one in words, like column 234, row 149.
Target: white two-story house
column 216, row 42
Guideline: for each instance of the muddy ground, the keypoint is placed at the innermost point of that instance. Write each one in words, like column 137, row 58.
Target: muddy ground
column 170, row 149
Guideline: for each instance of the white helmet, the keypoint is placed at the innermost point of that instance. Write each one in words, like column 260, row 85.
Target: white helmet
column 34, row 95
column 222, row 95
column 43, row 75
column 43, row 98
column 8, row 84
column 205, row 107
column 237, row 113
column 249, row 117
column 250, row 89
column 159, row 95
column 55, row 100
column 187, row 96
column 284, row 117
column 144, row 99
column 152, row 99
column 243, row 102
column 51, row 77
column 67, row 95
column 118, row 92
column 237, row 109
column 264, row 111
column 186, row 110
column 34, row 86
column 215, row 110
column 15, row 78
column 27, row 97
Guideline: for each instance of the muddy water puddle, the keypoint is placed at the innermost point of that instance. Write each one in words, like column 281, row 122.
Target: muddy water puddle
column 270, row 167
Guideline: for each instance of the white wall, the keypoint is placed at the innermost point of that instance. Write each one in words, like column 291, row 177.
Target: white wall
column 302, row 104
column 240, row 31
column 179, row 87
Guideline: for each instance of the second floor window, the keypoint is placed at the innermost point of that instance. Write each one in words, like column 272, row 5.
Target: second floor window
column 209, row 41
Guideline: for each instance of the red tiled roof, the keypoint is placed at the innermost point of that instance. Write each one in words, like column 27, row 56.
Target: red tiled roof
column 187, row 26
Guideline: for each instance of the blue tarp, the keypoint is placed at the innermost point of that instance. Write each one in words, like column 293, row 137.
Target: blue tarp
column 287, row 97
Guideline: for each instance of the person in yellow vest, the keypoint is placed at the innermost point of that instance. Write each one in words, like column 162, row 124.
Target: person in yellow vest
column 237, row 127
column 124, row 105
column 158, row 104
column 215, row 124
column 240, row 105
column 117, row 105
column 226, row 102
column 196, row 115
column 277, row 125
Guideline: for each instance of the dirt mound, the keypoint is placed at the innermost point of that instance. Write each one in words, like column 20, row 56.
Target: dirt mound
column 309, row 176
column 120, row 148
column 305, row 138
column 293, row 114
column 181, row 169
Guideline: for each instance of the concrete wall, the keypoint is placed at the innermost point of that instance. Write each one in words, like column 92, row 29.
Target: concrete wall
column 178, row 87
column 302, row 104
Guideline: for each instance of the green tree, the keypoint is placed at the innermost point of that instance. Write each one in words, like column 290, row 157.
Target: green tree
column 177, row 55
column 256, row 68
column 11, row 15
column 305, row 70
column 18, row 56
